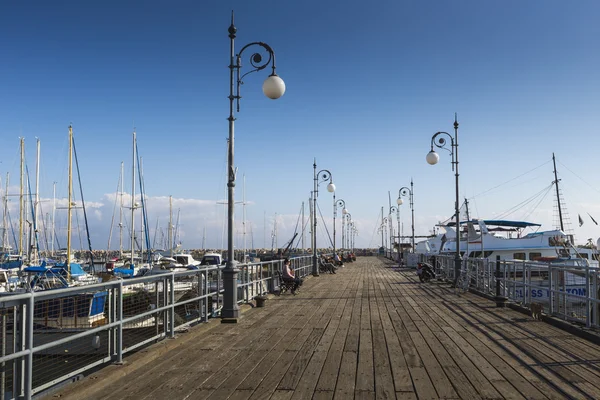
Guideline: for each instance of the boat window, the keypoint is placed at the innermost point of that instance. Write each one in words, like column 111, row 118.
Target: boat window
column 68, row 307
column 583, row 255
column 477, row 254
column 83, row 304
column 534, row 256
column 519, row 256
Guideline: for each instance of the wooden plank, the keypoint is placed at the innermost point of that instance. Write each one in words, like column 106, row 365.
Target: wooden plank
column 347, row 376
column 323, row 395
column 240, row 394
column 365, row 378
column 424, row 387
column 300, row 361
column 308, row 381
column 400, row 373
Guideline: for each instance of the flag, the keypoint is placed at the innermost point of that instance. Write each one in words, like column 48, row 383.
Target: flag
column 593, row 220
column 580, row 220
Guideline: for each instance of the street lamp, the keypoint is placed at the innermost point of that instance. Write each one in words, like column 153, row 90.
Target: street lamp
column 321, row 176
column 273, row 88
column 404, row 191
column 432, row 158
column 354, row 234
column 397, row 211
column 348, row 222
column 340, row 203
column 384, row 226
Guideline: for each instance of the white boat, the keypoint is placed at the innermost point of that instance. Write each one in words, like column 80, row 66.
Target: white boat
column 504, row 239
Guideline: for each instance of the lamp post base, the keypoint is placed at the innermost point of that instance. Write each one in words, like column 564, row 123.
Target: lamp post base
column 500, row 301
column 230, row 312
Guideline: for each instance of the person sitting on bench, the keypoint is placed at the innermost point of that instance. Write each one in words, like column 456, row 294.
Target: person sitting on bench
column 288, row 275
column 327, row 265
column 337, row 261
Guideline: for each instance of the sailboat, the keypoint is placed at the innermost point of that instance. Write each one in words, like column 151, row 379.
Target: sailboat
column 84, row 310
column 132, row 261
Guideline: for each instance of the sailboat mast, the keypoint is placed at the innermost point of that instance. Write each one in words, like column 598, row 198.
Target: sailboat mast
column 53, row 233
column 177, row 233
column 21, row 198
column 560, row 218
column 5, row 215
column 121, row 215
column 170, row 231
column 142, row 230
column 244, row 219
column 133, row 199
column 34, row 246
column 69, row 199
column 303, row 233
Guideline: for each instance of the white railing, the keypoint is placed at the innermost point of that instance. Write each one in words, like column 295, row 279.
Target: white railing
column 52, row 336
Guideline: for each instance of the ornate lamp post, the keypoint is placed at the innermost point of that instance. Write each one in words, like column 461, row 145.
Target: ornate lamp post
column 384, row 231
column 321, row 176
column 348, row 222
column 397, row 211
column 432, row 158
column 273, row 88
column 340, row 203
column 404, row 191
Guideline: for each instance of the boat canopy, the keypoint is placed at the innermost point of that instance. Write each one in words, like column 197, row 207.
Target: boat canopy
column 498, row 222
column 512, row 224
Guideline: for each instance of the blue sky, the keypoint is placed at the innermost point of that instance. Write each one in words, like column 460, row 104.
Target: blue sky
column 368, row 84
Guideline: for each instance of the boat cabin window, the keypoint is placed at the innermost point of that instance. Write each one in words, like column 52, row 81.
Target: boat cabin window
column 211, row 260
column 583, row 255
column 557, row 241
column 534, row 256
column 519, row 256
column 181, row 260
column 477, row 254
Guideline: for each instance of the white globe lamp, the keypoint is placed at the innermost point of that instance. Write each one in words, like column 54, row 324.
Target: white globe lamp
column 432, row 158
column 274, row 87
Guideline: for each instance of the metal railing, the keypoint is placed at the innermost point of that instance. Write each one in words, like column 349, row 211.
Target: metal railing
column 568, row 290
column 52, row 336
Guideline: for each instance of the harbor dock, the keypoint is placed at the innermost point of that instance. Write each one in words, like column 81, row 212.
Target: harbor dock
column 370, row 331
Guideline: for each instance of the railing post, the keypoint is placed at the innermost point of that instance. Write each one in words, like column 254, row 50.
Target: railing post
column 500, row 298
column 120, row 326
column 551, row 288
column 172, row 305
column 29, row 346
column 595, row 304
column 526, row 293
column 588, row 295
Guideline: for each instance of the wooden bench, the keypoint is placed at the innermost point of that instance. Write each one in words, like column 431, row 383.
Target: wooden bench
column 284, row 285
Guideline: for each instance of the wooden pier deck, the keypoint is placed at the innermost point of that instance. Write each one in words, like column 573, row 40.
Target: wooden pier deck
column 367, row 332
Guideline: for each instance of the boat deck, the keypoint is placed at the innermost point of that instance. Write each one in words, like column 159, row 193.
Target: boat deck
column 368, row 332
